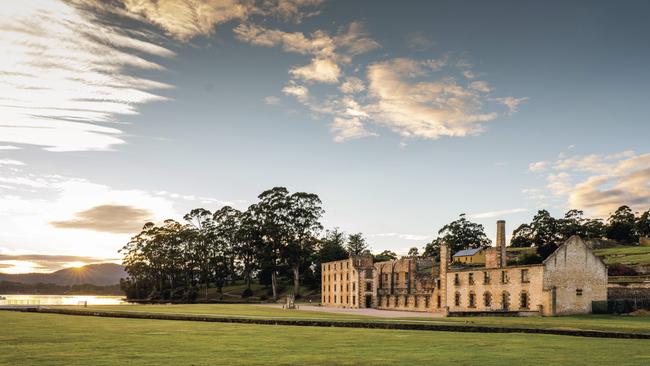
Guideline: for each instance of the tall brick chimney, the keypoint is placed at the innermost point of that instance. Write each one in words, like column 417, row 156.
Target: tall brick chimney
column 501, row 243
column 444, row 264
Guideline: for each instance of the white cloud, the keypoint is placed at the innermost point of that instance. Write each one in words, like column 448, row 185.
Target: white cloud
column 11, row 162
column 499, row 213
column 300, row 92
column 401, row 236
column 64, row 72
column 512, row 103
column 345, row 129
column 352, row 85
column 538, row 166
column 418, row 41
column 601, row 183
column 271, row 100
column 190, row 18
column 319, row 70
column 9, row 147
column 480, row 86
column 413, row 107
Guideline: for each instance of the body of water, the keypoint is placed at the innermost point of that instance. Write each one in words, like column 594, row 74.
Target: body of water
column 60, row 300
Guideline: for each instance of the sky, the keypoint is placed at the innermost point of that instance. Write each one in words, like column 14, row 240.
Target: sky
column 399, row 115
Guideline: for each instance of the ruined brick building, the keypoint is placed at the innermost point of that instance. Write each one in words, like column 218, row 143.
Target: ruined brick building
column 564, row 283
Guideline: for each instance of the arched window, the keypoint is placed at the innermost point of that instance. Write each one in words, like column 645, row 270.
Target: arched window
column 505, row 300
column 457, row 299
column 487, row 299
column 472, row 299
column 524, row 301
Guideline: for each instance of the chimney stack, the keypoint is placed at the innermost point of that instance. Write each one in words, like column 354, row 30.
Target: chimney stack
column 501, row 243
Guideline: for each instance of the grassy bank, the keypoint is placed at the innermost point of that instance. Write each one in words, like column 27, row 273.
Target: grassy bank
column 612, row 323
column 45, row 339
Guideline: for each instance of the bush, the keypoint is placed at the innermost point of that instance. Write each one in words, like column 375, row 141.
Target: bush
column 621, row 270
column 247, row 293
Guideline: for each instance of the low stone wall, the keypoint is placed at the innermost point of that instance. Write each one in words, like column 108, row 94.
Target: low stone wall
column 341, row 324
column 639, row 291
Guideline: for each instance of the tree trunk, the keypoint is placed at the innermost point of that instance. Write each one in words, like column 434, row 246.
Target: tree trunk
column 206, row 290
column 296, row 279
column 274, row 285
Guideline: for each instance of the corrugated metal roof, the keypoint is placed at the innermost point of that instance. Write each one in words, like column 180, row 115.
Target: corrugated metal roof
column 467, row 252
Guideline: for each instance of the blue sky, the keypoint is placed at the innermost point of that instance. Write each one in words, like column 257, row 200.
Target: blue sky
column 399, row 116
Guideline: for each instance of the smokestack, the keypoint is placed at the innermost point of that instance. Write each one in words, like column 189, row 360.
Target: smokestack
column 501, row 242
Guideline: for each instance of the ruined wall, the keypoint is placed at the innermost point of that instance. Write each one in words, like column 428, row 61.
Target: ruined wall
column 517, row 288
column 404, row 284
column 574, row 277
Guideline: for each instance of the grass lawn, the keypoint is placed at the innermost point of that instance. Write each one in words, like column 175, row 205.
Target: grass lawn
column 48, row 339
column 615, row 323
column 624, row 255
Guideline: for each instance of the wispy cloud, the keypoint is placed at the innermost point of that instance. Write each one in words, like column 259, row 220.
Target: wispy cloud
column 64, row 72
column 600, row 183
column 415, row 237
column 499, row 213
column 43, row 263
column 118, row 219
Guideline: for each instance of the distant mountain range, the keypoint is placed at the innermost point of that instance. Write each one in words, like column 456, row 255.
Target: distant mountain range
column 101, row 274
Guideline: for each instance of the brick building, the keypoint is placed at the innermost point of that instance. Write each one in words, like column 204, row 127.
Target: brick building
column 564, row 283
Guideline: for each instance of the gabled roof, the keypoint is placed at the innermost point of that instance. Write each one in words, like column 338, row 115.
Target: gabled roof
column 467, row 252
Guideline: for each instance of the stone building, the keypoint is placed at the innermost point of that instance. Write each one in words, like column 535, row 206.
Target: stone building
column 564, row 283
column 348, row 283
column 404, row 284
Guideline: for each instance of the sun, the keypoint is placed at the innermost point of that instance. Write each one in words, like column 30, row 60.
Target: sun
column 76, row 265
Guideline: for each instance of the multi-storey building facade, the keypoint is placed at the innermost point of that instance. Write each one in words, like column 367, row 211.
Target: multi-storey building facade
column 348, row 283
column 564, row 283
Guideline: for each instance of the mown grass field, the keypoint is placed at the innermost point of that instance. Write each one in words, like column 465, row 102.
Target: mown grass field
column 625, row 255
column 613, row 323
column 47, row 339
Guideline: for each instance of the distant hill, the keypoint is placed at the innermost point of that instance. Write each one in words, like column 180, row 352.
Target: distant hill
column 101, row 274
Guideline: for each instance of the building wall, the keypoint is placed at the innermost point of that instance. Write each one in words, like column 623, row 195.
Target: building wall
column 574, row 277
column 467, row 282
column 472, row 259
column 404, row 284
column 344, row 282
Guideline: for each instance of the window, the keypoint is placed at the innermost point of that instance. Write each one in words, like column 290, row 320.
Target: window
column 368, row 286
column 396, row 301
column 523, row 300
column 426, row 301
column 354, row 300
column 387, row 301
column 415, row 301
column 396, row 277
column 457, row 279
column 487, row 299
column 486, row 278
column 578, row 292
column 407, row 277
column 406, row 300
column 472, row 299
column 385, row 277
column 471, row 278
column 505, row 300
column 347, row 287
column 457, row 299
column 334, row 298
column 369, row 273
column 347, row 276
column 438, row 283
column 347, row 299
column 438, row 300
column 504, row 277
column 524, row 276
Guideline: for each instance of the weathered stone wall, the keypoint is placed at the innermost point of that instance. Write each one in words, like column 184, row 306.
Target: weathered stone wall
column 403, row 285
column 491, row 286
column 639, row 291
column 574, row 277
column 343, row 282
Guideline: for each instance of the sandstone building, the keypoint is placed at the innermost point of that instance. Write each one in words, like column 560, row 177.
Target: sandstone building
column 564, row 283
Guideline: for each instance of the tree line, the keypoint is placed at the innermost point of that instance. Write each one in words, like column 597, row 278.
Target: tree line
column 280, row 238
